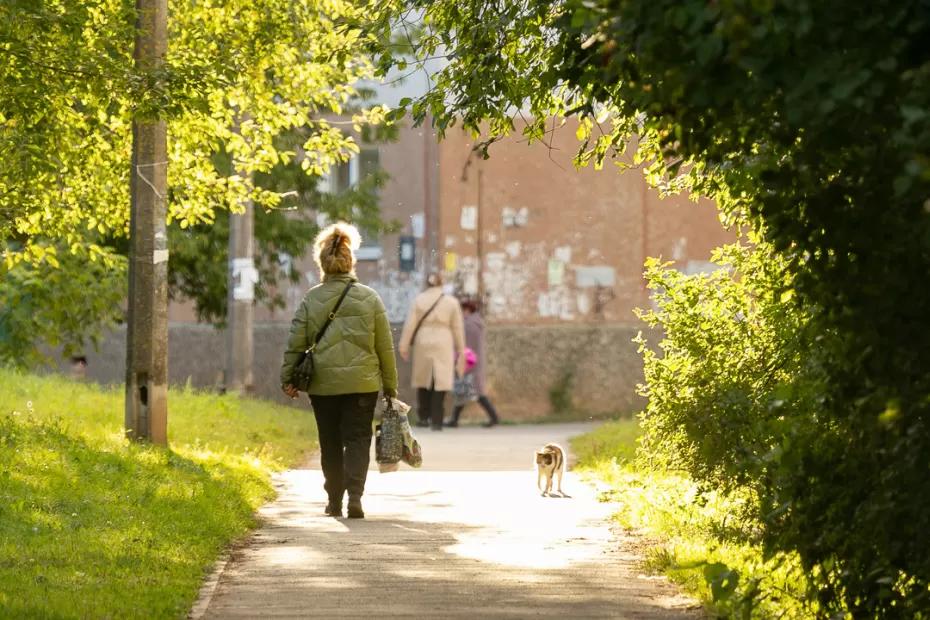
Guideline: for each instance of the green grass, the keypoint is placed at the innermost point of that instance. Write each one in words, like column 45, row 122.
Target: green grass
column 612, row 444
column 694, row 538
column 92, row 526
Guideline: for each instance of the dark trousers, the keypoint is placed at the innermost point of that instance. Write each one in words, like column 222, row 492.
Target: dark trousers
column 484, row 402
column 430, row 406
column 344, row 426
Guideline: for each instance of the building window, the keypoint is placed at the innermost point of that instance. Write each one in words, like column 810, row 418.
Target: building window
column 368, row 163
column 346, row 175
column 338, row 178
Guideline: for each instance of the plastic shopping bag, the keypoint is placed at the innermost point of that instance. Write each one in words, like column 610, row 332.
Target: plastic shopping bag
column 389, row 434
column 394, row 440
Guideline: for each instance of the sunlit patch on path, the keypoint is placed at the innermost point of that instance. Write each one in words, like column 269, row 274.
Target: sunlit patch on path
column 468, row 536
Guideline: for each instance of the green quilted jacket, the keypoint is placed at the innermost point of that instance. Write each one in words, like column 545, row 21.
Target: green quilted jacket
column 356, row 354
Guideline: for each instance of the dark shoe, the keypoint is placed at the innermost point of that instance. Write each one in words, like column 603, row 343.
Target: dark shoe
column 489, row 423
column 451, row 423
column 355, row 508
column 334, row 509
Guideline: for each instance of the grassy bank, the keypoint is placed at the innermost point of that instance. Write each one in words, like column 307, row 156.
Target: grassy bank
column 93, row 526
column 695, row 538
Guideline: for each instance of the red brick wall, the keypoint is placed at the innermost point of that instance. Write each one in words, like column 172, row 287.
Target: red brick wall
column 573, row 230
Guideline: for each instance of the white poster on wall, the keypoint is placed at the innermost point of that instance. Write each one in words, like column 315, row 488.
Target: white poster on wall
column 564, row 254
column 418, row 225
column 245, row 277
column 469, row 219
column 589, row 276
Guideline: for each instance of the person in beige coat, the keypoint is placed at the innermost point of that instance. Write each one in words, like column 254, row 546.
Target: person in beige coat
column 435, row 334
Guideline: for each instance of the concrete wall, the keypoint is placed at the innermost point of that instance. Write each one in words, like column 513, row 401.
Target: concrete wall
column 594, row 369
column 597, row 365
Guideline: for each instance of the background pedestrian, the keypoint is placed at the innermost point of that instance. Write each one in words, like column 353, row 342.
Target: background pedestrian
column 434, row 334
column 475, row 340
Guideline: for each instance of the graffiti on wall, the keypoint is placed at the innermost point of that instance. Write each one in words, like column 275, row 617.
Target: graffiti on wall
column 575, row 290
column 398, row 291
column 521, row 280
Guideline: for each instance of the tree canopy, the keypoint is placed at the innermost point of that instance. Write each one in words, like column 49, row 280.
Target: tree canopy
column 239, row 76
column 809, row 121
column 198, row 267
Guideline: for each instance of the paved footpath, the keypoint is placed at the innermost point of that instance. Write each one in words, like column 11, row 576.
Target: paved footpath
column 466, row 536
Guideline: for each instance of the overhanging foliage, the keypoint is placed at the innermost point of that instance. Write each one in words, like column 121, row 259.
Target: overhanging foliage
column 239, row 76
column 807, row 119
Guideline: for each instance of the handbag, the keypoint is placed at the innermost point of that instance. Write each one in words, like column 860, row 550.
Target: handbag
column 464, row 390
column 304, row 368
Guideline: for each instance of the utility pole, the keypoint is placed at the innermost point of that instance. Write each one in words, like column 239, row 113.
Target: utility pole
column 147, row 330
column 242, row 279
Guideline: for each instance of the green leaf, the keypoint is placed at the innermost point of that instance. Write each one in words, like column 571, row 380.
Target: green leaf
column 722, row 580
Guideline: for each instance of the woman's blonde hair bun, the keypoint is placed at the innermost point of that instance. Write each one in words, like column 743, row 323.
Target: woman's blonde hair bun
column 335, row 249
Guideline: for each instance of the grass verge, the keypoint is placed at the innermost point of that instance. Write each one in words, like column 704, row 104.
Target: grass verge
column 695, row 537
column 94, row 526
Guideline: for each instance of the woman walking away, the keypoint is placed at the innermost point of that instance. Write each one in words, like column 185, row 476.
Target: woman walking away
column 435, row 334
column 353, row 358
column 474, row 340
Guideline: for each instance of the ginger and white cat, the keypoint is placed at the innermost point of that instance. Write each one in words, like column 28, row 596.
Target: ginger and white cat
column 550, row 464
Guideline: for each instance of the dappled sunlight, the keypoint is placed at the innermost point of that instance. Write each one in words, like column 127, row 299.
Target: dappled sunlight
column 413, row 530
column 535, row 532
column 290, row 555
column 526, row 553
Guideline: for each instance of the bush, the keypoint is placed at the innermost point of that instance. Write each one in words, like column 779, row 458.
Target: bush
column 739, row 400
column 718, row 394
column 62, row 302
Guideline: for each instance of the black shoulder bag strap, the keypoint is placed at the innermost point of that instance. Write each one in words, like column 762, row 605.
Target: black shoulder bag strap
column 329, row 319
column 423, row 318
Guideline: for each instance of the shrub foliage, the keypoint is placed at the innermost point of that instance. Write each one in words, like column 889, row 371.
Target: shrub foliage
column 738, row 397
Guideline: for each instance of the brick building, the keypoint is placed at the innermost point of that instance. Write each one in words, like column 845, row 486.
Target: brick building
column 558, row 244
column 555, row 253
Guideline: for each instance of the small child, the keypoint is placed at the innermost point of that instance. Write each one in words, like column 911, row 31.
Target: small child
column 464, row 390
column 474, row 340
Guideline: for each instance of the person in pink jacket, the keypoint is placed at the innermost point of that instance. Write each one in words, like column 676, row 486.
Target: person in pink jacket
column 474, row 340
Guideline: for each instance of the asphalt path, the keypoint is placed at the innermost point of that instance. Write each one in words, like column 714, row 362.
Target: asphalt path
column 467, row 535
